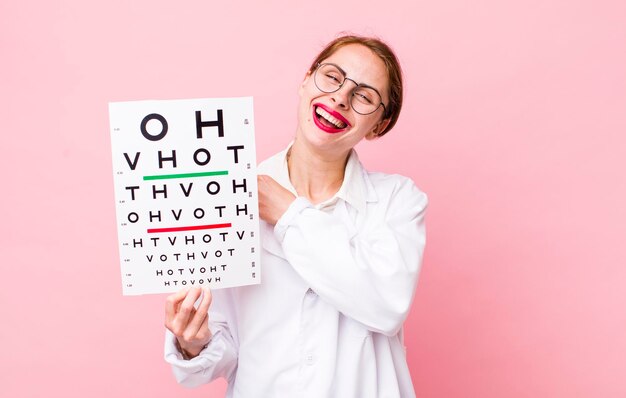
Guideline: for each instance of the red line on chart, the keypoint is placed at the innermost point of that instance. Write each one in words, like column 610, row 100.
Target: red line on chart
column 190, row 228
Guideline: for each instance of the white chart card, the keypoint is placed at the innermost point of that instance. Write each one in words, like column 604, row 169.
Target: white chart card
column 186, row 200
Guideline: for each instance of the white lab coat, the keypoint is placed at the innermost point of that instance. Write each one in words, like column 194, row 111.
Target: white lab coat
column 337, row 284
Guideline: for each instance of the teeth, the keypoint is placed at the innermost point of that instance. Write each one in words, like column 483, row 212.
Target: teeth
column 338, row 123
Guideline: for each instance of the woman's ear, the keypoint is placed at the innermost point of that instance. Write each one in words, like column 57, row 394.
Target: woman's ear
column 378, row 128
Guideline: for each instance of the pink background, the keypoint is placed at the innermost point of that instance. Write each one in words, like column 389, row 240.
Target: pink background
column 514, row 123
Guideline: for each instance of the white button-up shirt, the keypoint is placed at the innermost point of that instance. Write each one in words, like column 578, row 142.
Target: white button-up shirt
column 338, row 280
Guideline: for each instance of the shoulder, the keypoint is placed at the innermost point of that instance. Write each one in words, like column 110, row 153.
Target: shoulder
column 273, row 162
column 396, row 189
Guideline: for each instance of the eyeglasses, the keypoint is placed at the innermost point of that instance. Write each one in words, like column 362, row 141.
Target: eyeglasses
column 364, row 99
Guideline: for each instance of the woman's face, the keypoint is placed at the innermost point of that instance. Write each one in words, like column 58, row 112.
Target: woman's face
column 326, row 121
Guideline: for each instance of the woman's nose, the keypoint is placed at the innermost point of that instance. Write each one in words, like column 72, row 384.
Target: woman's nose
column 342, row 96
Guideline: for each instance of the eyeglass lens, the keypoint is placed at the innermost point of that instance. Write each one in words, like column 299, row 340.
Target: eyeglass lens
column 364, row 100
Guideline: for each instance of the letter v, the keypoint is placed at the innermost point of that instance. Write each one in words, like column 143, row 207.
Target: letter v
column 188, row 190
column 132, row 164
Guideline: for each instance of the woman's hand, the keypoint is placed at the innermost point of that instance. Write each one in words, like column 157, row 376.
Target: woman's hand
column 188, row 324
column 273, row 199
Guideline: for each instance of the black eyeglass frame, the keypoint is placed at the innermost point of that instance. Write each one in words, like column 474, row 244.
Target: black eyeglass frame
column 357, row 85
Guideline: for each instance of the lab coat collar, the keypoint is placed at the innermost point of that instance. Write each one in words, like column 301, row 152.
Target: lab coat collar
column 356, row 190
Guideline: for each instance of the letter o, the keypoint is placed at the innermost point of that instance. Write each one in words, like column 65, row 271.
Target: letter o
column 218, row 253
column 145, row 121
column 209, row 190
column 195, row 213
column 134, row 218
column 163, row 257
column 202, row 163
column 204, row 238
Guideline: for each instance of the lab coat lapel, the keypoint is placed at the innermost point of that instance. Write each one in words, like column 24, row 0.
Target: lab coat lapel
column 357, row 191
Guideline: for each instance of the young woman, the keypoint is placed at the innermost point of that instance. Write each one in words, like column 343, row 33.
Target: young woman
column 342, row 249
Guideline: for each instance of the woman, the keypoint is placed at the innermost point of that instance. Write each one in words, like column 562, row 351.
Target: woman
column 342, row 249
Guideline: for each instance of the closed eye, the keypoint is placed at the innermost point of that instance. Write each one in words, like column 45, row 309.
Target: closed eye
column 363, row 96
column 334, row 79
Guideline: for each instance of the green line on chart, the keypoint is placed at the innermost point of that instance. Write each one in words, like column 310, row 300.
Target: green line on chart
column 186, row 175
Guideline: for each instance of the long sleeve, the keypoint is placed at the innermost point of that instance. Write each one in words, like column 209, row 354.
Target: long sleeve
column 367, row 271
column 218, row 359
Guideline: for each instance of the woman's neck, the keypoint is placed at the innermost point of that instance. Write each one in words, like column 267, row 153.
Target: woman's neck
column 315, row 176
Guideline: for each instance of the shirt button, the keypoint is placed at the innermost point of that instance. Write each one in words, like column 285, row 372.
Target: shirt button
column 309, row 359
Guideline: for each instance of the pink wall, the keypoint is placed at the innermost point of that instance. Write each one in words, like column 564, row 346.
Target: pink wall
column 515, row 125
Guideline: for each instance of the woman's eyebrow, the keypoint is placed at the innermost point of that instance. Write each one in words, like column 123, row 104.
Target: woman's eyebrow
column 360, row 84
column 341, row 70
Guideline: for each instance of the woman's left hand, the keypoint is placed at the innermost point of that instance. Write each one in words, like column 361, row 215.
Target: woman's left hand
column 273, row 199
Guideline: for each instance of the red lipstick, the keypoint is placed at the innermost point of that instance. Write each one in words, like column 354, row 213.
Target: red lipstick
column 329, row 126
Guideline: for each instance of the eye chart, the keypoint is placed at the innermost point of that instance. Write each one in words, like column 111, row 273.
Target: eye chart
column 186, row 200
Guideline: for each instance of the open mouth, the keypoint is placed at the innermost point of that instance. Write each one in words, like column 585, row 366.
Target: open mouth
column 329, row 120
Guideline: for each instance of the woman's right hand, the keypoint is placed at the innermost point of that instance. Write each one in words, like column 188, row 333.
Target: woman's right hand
column 188, row 324
column 274, row 199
